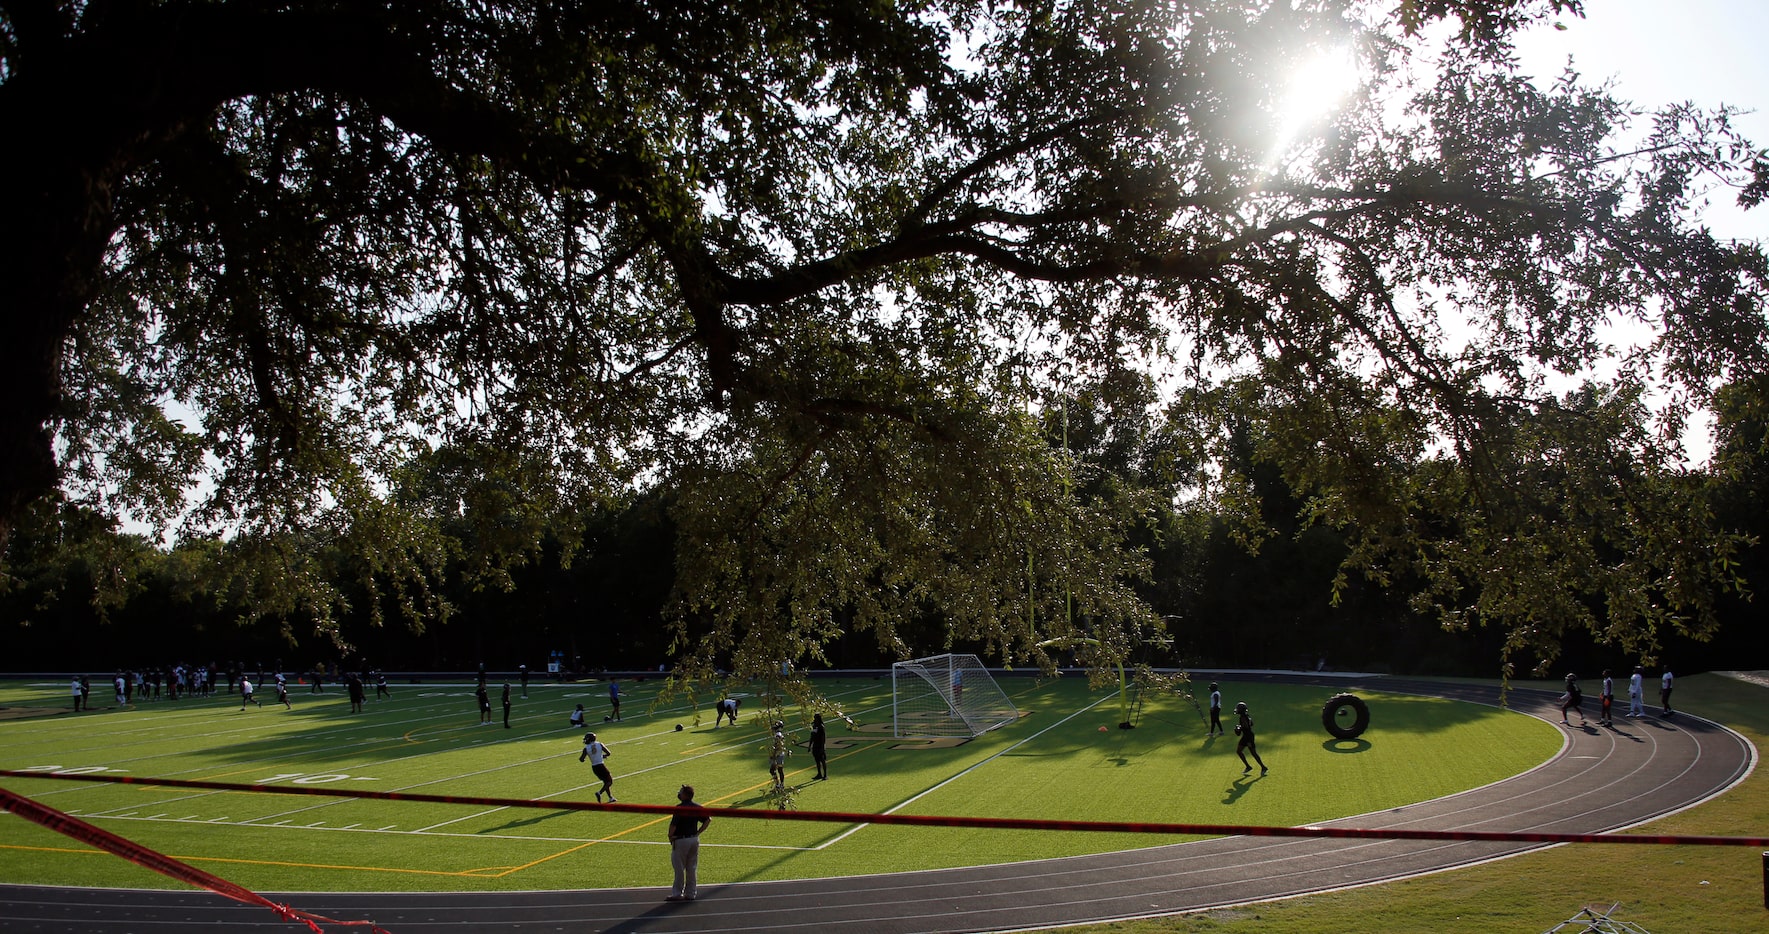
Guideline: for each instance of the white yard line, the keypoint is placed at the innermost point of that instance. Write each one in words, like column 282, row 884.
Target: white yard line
column 390, row 830
column 407, row 722
column 973, row 767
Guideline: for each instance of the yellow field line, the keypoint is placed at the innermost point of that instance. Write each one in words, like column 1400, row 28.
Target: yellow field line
column 271, row 862
column 222, row 775
column 484, row 872
column 582, row 846
column 631, row 830
column 251, row 862
column 52, row 849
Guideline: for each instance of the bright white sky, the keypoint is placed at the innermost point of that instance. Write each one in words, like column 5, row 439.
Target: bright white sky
column 1709, row 52
column 1657, row 52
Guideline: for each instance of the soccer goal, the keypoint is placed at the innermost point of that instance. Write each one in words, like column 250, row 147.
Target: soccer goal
column 947, row 695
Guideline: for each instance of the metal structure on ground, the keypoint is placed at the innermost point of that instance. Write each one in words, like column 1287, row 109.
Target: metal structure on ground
column 1591, row 921
column 947, row 695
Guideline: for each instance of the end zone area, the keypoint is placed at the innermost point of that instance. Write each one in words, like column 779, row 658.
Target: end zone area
column 1054, row 762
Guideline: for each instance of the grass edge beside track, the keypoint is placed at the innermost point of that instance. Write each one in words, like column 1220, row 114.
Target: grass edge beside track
column 1681, row 889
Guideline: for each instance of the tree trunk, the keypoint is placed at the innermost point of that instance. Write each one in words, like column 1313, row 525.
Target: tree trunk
column 50, row 260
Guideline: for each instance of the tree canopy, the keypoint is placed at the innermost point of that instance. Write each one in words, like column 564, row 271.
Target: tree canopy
column 423, row 280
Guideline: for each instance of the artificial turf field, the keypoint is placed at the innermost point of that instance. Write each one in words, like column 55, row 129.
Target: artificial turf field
column 1055, row 762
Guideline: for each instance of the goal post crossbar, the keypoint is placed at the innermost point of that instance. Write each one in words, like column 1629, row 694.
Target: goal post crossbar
column 947, row 695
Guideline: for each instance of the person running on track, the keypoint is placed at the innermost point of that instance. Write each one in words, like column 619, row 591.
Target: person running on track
column 1573, row 699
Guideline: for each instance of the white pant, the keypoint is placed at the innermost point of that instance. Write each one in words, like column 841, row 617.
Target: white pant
column 685, row 858
column 1634, row 707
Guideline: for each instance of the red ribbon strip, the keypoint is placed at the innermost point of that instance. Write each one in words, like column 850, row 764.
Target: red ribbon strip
column 78, row 829
column 919, row 820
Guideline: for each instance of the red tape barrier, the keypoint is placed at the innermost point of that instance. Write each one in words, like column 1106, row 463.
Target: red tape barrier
column 918, row 820
column 159, row 862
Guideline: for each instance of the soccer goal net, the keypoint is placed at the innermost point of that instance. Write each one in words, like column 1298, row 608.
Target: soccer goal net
column 947, row 695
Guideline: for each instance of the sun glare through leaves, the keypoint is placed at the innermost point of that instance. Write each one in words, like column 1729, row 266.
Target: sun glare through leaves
column 1317, row 87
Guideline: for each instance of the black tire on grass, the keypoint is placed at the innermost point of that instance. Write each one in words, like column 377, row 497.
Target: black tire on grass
column 1359, row 723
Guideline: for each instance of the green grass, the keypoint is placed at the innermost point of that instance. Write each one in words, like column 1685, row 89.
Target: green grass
column 1054, row 763
column 1682, row 889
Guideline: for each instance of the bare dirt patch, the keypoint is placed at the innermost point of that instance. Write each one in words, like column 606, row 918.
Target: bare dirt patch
column 21, row 713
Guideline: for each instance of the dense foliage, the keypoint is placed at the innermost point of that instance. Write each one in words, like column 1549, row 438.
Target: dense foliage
column 372, row 294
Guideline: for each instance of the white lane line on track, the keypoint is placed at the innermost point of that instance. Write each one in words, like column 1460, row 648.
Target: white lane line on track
column 1164, row 874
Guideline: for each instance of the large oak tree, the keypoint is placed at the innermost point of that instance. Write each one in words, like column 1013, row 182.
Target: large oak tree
column 404, row 278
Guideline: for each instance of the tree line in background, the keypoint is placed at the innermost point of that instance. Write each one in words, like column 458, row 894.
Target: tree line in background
column 85, row 596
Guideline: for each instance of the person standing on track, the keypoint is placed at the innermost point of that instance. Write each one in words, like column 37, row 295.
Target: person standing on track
column 484, row 700
column 598, row 755
column 684, row 833
column 614, row 697
column 78, row 694
column 1606, row 700
column 1244, row 729
column 1636, row 708
column 1215, row 712
column 1664, row 693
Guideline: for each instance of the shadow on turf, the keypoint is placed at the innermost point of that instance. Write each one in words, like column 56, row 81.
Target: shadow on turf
column 1240, row 787
column 543, row 816
column 444, row 715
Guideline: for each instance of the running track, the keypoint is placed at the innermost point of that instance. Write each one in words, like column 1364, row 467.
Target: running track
column 1603, row 780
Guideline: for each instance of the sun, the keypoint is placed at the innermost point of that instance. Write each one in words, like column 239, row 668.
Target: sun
column 1314, row 90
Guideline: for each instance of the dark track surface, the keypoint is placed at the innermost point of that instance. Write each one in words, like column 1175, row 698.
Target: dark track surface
column 1605, row 779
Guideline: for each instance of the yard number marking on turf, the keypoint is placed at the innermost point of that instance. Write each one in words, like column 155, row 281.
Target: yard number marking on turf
column 303, row 778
